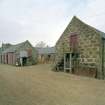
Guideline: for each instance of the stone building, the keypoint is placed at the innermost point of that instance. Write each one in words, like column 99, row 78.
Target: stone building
column 46, row 55
column 81, row 50
column 20, row 54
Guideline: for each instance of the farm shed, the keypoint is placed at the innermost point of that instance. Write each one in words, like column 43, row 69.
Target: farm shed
column 20, row 54
column 81, row 50
column 46, row 55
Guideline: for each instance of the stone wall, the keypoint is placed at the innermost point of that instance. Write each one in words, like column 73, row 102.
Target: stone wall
column 88, row 47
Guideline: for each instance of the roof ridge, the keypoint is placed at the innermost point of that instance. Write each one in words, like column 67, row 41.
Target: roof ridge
column 13, row 47
column 92, row 27
column 75, row 18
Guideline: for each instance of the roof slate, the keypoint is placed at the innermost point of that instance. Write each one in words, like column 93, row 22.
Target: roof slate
column 47, row 50
column 75, row 19
column 100, row 32
column 13, row 48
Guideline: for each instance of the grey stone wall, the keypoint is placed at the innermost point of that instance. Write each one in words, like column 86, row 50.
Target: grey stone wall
column 89, row 44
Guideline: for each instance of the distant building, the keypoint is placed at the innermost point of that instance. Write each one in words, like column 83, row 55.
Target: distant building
column 0, row 54
column 20, row 54
column 81, row 50
column 46, row 55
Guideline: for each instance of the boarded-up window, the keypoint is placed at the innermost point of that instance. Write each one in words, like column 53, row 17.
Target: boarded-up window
column 29, row 52
column 73, row 41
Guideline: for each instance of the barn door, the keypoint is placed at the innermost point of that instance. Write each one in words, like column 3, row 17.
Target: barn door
column 70, row 61
column 67, row 62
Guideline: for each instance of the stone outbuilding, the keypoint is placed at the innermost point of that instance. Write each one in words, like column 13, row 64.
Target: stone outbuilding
column 20, row 54
column 81, row 50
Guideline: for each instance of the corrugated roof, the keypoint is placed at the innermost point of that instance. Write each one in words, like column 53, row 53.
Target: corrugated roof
column 47, row 50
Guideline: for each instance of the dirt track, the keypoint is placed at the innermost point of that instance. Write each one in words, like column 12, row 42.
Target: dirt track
column 38, row 85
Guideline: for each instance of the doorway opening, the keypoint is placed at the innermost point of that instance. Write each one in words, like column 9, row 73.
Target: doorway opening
column 24, row 61
column 70, row 60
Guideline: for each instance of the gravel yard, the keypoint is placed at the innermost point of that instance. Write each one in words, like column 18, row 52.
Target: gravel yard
column 38, row 85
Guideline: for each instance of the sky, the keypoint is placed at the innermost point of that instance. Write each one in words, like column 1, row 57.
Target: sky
column 45, row 20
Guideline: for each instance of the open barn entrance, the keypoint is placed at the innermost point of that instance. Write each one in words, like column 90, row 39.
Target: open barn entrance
column 70, row 61
column 24, row 60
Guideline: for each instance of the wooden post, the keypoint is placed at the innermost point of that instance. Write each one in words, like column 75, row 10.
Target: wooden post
column 64, row 62
column 70, row 63
column 70, row 59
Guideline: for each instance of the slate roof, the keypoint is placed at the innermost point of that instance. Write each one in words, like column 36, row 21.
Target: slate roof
column 13, row 48
column 100, row 32
column 47, row 50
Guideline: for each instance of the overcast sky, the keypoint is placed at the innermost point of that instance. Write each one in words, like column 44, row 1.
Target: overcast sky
column 45, row 20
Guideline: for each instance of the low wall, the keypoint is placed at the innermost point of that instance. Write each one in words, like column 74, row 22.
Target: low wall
column 86, row 71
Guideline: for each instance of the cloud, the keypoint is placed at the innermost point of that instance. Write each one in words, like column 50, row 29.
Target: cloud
column 45, row 20
column 30, row 19
column 94, row 14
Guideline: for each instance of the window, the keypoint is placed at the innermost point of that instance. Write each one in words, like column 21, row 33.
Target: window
column 73, row 41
